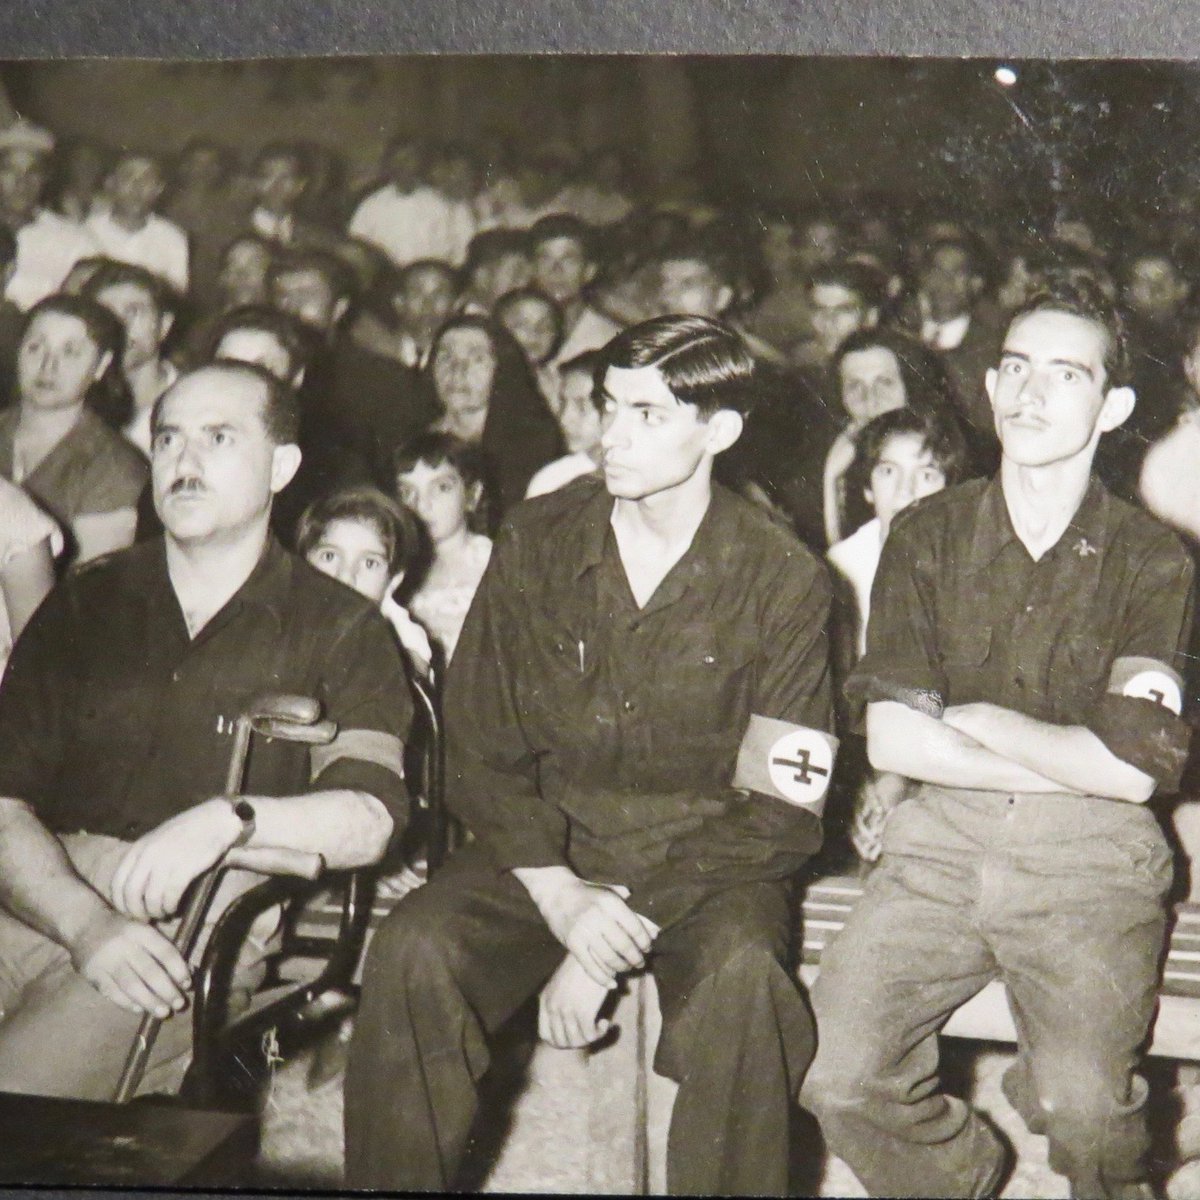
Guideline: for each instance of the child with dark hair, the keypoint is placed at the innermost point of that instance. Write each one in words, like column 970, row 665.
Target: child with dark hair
column 901, row 457
column 441, row 478
column 370, row 543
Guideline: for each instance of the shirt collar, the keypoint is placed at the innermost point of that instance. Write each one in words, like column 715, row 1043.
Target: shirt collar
column 266, row 588
column 1085, row 533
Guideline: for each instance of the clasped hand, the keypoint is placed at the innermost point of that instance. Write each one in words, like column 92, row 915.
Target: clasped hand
column 604, row 935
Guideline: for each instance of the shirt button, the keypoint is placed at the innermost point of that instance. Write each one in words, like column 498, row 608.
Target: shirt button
column 1011, row 801
column 628, row 705
column 176, row 675
column 1029, row 608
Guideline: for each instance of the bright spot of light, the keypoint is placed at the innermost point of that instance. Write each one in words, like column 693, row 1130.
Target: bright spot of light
column 1005, row 76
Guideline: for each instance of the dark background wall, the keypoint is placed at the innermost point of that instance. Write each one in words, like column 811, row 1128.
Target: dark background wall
column 811, row 129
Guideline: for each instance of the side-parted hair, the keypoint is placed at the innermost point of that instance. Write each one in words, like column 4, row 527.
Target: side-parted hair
column 281, row 408
column 1081, row 297
column 702, row 361
column 398, row 527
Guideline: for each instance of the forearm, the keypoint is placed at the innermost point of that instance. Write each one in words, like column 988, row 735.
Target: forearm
column 1072, row 755
column 38, row 884
column 921, row 747
column 347, row 828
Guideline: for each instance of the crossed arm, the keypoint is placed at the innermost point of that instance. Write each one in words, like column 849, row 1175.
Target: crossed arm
column 987, row 746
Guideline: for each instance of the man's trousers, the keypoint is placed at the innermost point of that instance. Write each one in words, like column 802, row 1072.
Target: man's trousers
column 1060, row 897
column 459, row 956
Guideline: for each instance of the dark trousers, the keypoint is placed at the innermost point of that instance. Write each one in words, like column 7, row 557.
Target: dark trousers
column 459, row 956
column 1060, row 898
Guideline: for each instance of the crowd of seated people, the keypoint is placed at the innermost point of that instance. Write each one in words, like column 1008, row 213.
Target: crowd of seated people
column 440, row 325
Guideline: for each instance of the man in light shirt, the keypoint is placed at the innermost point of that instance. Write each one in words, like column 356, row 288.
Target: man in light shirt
column 48, row 245
column 127, row 228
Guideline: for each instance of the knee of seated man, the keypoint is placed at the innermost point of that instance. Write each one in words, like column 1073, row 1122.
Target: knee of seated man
column 1081, row 1096
column 414, row 944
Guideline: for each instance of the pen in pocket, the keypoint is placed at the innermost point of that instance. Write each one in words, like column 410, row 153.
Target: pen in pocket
column 582, row 662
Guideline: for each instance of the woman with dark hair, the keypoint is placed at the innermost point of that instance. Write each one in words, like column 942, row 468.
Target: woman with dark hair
column 54, row 442
column 872, row 372
column 487, row 397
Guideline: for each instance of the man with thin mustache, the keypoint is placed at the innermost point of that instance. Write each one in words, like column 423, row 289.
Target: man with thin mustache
column 1023, row 665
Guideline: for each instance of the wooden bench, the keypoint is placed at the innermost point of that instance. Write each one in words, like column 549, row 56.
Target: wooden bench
column 629, row 1106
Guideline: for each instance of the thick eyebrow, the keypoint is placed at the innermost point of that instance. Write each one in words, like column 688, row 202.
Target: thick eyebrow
column 1054, row 362
column 606, row 395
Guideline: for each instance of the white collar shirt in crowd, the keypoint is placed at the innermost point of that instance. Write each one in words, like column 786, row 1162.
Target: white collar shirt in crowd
column 159, row 246
column 559, row 473
column 47, row 248
column 272, row 226
column 943, row 335
column 408, row 226
column 856, row 559
column 590, row 332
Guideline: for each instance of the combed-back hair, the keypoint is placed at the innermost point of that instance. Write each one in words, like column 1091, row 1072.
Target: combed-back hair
column 260, row 318
column 704, row 362
column 398, row 527
column 281, row 408
column 858, row 277
column 1083, row 297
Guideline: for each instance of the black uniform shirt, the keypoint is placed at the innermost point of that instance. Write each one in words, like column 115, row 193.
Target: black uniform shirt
column 584, row 730
column 1091, row 634
column 112, row 719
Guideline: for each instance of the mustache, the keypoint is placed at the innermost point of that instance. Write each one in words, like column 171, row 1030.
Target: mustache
column 185, row 484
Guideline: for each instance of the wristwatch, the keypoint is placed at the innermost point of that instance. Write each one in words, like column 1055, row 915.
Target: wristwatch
column 244, row 811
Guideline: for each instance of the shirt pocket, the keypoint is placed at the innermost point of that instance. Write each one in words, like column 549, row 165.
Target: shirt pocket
column 705, row 680
column 969, row 663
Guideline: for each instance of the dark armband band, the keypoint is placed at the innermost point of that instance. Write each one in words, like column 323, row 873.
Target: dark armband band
column 789, row 762
column 361, row 745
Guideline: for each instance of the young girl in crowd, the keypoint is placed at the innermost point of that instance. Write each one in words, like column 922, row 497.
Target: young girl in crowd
column 900, row 457
column 370, row 543
column 441, row 478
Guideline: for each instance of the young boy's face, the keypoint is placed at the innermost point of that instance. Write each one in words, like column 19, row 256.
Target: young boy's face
column 904, row 472
column 577, row 415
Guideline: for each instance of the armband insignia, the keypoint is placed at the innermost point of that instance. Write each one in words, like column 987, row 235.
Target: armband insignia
column 789, row 762
column 1147, row 679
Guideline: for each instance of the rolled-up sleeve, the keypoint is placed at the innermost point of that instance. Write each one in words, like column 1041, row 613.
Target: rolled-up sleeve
column 902, row 662
column 1140, row 716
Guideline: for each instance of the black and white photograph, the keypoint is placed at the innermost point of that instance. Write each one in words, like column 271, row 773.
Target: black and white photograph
column 600, row 623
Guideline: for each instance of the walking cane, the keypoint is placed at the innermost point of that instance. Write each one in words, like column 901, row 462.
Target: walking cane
column 284, row 717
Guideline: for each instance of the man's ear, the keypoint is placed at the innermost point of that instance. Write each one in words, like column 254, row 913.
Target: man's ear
column 165, row 324
column 474, row 496
column 105, row 361
column 285, row 462
column 589, row 274
column 1118, row 404
column 724, row 297
column 298, row 379
column 871, row 316
column 340, row 309
column 724, row 428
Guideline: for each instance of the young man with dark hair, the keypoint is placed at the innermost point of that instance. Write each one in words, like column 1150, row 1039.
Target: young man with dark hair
column 116, row 714
column 48, row 244
column 1023, row 666
column 623, row 817
column 128, row 229
column 564, row 265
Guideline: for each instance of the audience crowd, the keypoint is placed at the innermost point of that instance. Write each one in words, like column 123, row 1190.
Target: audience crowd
column 440, row 325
